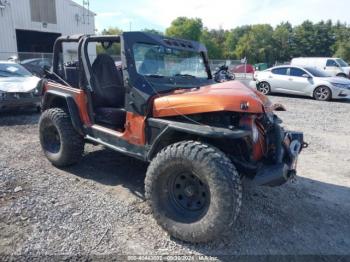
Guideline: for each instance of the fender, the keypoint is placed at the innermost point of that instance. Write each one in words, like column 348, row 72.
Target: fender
column 168, row 127
column 49, row 100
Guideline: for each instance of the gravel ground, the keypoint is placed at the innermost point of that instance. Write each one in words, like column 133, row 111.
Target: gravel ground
column 97, row 207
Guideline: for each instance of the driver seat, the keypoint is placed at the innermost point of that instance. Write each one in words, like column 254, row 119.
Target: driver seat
column 108, row 94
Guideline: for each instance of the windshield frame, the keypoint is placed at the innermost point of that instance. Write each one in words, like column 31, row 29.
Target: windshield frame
column 175, row 53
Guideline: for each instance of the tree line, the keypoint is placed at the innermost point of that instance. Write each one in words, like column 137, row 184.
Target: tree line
column 262, row 43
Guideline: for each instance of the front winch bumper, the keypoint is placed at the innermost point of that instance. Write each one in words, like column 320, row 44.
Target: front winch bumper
column 286, row 160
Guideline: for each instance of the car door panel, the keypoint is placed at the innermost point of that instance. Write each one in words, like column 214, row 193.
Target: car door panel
column 297, row 82
column 277, row 79
column 332, row 67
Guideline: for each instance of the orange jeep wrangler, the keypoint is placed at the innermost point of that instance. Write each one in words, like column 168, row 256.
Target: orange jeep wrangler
column 161, row 105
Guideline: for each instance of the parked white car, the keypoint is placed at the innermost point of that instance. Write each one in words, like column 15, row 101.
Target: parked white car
column 333, row 66
column 18, row 87
column 305, row 81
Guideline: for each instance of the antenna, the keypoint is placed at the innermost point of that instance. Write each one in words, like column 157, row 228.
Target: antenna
column 3, row 4
column 86, row 12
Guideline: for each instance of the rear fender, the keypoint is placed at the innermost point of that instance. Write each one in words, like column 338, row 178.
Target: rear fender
column 53, row 98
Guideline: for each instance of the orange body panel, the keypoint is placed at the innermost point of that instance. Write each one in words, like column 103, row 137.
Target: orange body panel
column 226, row 96
column 135, row 129
column 79, row 98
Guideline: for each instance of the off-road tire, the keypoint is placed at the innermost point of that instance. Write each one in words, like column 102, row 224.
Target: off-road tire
column 322, row 93
column 61, row 143
column 215, row 170
column 264, row 88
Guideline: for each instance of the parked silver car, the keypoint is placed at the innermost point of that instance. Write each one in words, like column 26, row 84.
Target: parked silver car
column 305, row 81
column 18, row 87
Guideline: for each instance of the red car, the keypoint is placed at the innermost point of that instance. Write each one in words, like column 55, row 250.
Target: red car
column 241, row 69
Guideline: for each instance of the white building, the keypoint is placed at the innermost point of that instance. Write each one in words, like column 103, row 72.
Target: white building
column 34, row 25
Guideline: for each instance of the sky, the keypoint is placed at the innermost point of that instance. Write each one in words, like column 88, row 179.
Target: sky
column 226, row 14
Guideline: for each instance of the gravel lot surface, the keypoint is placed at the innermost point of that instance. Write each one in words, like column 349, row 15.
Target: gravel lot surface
column 97, row 206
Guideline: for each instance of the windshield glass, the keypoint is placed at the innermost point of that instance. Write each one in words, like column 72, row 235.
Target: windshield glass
column 316, row 72
column 342, row 63
column 156, row 60
column 13, row 70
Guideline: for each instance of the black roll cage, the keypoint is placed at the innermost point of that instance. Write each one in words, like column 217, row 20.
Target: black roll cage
column 138, row 89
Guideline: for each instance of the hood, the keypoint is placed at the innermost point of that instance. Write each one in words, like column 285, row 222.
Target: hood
column 346, row 69
column 338, row 80
column 18, row 84
column 227, row 96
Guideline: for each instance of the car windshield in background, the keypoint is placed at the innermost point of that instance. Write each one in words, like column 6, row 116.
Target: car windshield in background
column 316, row 72
column 342, row 63
column 13, row 70
column 158, row 61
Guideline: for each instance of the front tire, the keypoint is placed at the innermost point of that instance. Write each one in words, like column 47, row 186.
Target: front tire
column 264, row 88
column 323, row 93
column 194, row 191
column 61, row 143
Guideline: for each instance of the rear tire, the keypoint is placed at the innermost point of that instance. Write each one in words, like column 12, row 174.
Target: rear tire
column 61, row 143
column 323, row 93
column 194, row 191
column 264, row 88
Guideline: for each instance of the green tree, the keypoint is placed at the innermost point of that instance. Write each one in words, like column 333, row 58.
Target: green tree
column 186, row 28
column 232, row 39
column 257, row 44
column 282, row 39
column 215, row 51
column 304, row 38
column 153, row 31
column 343, row 50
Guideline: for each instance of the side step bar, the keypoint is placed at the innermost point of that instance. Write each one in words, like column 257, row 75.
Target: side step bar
column 114, row 141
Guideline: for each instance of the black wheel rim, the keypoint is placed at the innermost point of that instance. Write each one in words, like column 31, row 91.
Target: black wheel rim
column 51, row 139
column 188, row 194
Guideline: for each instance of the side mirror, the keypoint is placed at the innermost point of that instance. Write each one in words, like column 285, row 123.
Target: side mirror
column 306, row 76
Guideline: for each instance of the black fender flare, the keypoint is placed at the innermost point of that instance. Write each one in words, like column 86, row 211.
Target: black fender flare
column 169, row 127
column 49, row 100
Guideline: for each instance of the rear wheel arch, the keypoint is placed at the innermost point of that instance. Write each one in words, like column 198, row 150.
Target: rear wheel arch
column 342, row 75
column 67, row 103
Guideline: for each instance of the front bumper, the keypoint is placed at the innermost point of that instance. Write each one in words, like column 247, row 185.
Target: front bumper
column 285, row 160
column 339, row 93
column 13, row 100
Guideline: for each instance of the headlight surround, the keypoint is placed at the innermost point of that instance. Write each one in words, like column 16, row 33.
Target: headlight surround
column 248, row 123
column 346, row 86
